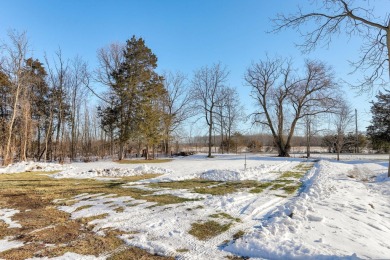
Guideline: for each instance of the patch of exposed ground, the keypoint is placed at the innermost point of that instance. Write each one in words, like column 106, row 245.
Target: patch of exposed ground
column 49, row 232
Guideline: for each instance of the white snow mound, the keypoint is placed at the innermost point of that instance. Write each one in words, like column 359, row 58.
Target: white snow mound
column 112, row 172
column 254, row 173
column 34, row 167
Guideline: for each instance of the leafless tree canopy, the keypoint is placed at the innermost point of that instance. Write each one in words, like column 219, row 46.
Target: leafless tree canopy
column 176, row 104
column 341, row 16
column 208, row 84
column 342, row 119
column 284, row 97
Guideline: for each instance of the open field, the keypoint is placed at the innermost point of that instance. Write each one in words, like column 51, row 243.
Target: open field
column 195, row 208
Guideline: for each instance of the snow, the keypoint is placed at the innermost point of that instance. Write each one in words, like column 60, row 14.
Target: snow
column 342, row 211
column 33, row 167
column 6, row 216
column 335, row 216
column 111, row 172
column 6, row 245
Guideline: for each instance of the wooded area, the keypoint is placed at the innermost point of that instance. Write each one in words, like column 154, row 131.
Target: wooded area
column 46, row 113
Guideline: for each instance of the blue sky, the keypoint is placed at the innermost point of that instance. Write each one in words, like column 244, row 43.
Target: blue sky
column 185, row 34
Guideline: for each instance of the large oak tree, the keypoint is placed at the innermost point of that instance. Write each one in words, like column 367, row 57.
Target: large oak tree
column 284, row 97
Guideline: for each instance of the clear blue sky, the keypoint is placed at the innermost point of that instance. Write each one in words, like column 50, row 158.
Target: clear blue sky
column 184, row 34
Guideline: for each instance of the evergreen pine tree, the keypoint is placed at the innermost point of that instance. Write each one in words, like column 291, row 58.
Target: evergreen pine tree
column 379, row 130
column 138, row 89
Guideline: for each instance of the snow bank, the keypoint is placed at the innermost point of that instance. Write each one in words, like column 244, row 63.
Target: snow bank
column 111, row 172
column 335, row 216
column 260, row 172
column 34, row 167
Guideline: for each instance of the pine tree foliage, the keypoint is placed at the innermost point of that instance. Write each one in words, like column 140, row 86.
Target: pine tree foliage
column 137, row 93
column 379, row 130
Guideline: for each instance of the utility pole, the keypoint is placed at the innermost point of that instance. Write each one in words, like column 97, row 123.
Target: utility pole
column 356, row 132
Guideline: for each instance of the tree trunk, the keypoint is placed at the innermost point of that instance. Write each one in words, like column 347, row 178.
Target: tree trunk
column 308, row 140
column 388, row 60
column 112, row 143
column 147, row 152
column 120, row 154
column 388, row 168
column 210, row 138
column 338, row 148
column 284, row 153
column 210, row 134
column 8, row 155
column 283, row 149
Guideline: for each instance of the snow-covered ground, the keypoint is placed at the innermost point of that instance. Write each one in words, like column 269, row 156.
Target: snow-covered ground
column 343, row 211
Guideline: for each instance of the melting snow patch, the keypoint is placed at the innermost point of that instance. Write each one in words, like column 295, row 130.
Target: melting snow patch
column 6, row 215
column 6, row 245
column 112, row 172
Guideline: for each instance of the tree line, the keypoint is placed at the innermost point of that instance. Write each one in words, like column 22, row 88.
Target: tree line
column 45, row 112
column 46, row 115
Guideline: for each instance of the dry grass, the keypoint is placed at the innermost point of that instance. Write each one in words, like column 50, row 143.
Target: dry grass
column 292, row 174
column 289, row 181
column 208, row 229
column 186, row 184
column 238, row 234
column 136, row 253
column 119, row 209
column 304, row 166
column 290, row 189
column 34, row 193
column 212, row 187
column 83, row 207
column 225, row 216
column 261, row 187
column 277, row 186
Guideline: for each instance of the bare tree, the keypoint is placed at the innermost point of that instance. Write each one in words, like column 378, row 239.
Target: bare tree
column 13, row 67
column 109, row 61
column 340, row 16
column 78, row 81
column 285, row 98
column 208, row 83
column 176, row 104
column 229, row 112
column 59, row 81
column 342, row 119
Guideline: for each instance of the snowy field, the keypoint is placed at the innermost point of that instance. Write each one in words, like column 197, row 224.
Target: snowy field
column 342, row 210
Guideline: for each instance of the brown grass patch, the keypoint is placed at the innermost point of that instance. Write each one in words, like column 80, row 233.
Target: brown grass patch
column 119, row 209
column 37, row 196
column 5, row 230
column 83, row 207
column 208, row 229
column 238, row 234
column 136, row 253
